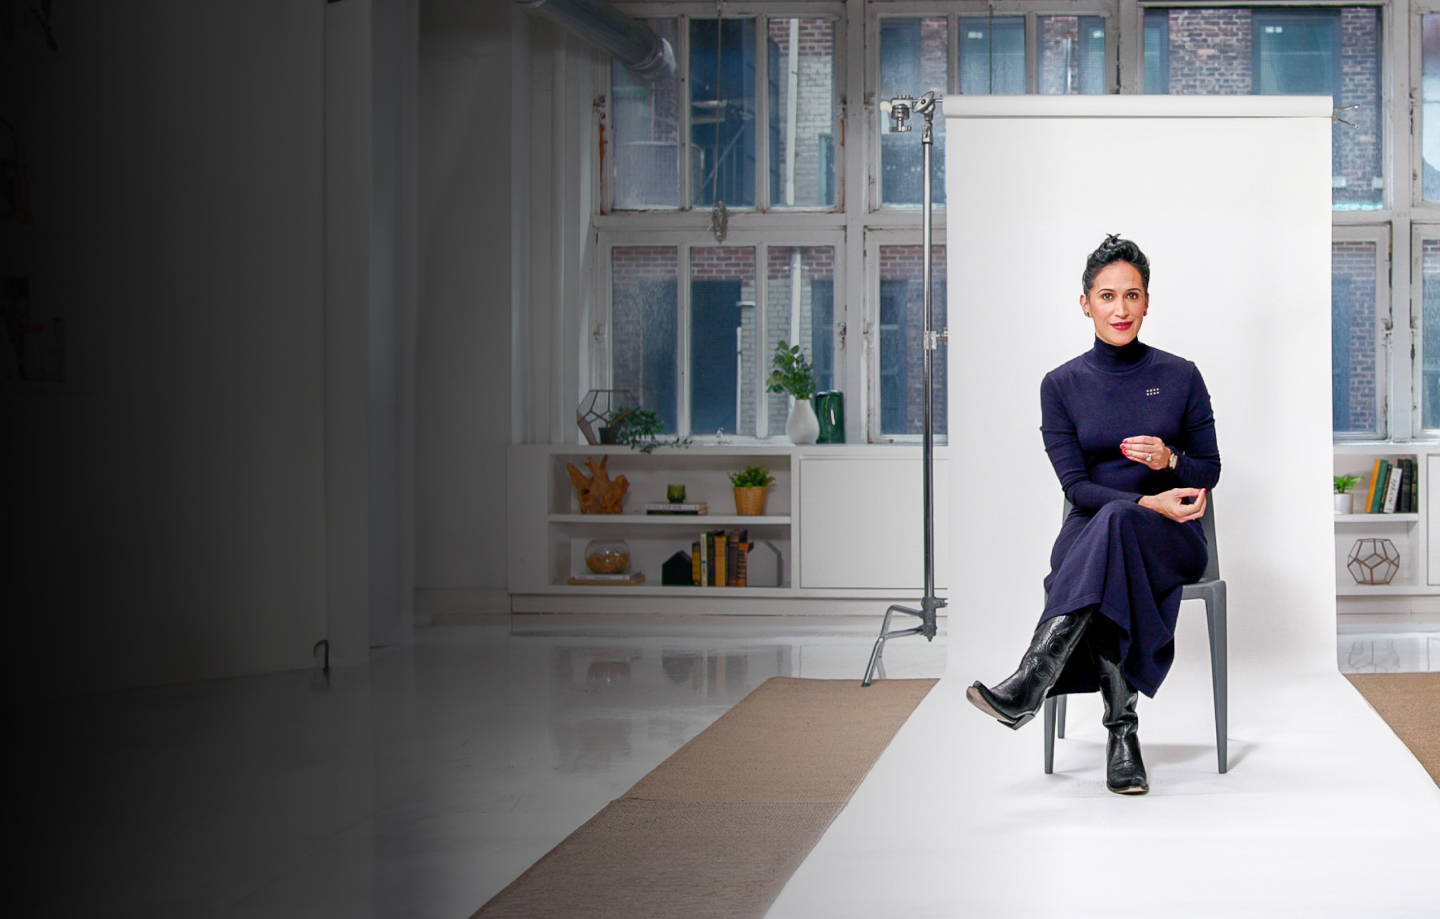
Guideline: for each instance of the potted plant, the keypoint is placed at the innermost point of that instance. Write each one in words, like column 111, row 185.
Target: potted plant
column 750, row 484
column 1343, row 483
column 794, row 375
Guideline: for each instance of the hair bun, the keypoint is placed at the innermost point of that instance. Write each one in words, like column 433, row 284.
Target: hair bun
column 1111, row 241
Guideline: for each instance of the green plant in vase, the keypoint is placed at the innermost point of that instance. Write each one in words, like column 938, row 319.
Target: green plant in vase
column 1343, row 484
column 794, row 376
column 750, row 485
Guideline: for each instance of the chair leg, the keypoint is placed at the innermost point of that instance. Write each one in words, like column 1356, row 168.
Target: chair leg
column 1219, row 666
column 1061, row 704
column 1050, row 735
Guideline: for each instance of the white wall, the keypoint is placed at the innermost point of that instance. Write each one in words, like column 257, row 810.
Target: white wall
column 464, row 370
column 1234, row 215
column 166, row 516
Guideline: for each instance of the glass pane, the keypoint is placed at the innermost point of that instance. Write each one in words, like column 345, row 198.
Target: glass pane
column 1072, row 54
column 914, row 60
column 802, row 112
column 646, row 125
column 1430, row 333
column 1157, row 51
column 722, row 112
column 800, row 308
column 1430, row 106
column 992, row 56
column 643, row 317
column 1237, row 51
column 1353, row 351
column 723, row 340
column 902, row 376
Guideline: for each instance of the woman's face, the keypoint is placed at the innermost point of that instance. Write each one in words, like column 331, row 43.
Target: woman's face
column 1117, row 303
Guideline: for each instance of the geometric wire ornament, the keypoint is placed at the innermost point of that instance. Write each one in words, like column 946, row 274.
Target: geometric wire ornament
column 600, row 410
column 1373, row 561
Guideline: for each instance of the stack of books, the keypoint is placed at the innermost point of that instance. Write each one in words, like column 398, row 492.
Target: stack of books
column 1392, row 488
column 694, row 509
column 720, row 558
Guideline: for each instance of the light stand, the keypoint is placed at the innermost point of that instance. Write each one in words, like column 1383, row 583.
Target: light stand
column 900, row 109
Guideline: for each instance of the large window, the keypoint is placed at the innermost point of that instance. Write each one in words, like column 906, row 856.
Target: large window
column 736, row 189
column 1332, row 51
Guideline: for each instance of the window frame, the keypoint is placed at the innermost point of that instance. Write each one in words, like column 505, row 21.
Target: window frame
column 1420, row 231
column 1106, row 10
column 762, row 13
column 684, row 241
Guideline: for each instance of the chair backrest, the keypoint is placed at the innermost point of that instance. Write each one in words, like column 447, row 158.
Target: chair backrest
column 1207, row 526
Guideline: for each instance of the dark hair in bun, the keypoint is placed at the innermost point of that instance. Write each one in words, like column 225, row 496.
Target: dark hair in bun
column 1112, row 250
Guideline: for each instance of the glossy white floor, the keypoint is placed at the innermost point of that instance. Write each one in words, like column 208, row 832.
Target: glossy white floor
column 418, row 785
column 423, row 783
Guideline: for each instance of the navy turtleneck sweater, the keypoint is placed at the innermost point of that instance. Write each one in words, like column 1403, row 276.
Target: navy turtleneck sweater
column 1090, row 404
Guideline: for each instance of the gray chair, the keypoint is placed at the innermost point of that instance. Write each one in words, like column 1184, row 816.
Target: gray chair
column 1210, row 589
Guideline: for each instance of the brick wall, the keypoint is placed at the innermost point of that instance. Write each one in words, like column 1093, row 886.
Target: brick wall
column 1357, row 149
column 1210, row 52
column 815, row 108
column 907, row 263
column 1353, row 331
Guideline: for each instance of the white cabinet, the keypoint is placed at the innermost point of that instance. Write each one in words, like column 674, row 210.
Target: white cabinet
column 1416, row 587
column 844, row 520
column 863, row 522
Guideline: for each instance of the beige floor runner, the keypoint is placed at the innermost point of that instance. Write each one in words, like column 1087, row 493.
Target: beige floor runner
column 717, row 829
column 1410, row 704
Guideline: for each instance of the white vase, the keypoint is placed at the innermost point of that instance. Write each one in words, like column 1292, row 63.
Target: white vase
column 802, row 427
column 1343, row 504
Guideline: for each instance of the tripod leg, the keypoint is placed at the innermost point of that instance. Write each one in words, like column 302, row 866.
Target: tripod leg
column 879, row 650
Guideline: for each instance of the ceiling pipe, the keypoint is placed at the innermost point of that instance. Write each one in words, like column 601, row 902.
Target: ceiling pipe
column 631, row 43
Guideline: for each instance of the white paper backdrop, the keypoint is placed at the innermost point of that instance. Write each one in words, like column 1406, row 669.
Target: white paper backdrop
column 1230, row 199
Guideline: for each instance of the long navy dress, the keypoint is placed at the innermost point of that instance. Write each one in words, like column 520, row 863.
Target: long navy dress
column 1128, row 561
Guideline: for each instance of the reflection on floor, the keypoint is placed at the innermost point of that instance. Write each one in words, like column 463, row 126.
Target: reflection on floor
column 418, row 785
column 1389, row 652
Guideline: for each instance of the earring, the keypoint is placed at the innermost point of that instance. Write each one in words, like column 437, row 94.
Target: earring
column 1088, row 316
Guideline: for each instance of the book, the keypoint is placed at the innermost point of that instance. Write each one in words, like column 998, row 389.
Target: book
column 742, row 559
column 1407, row 483
column 695, row 576
column 721, row 559
column 1370, row 491
column 694, row 509
column 1414, row 487
column 1379, row 480
column 1392, row 490
column 732, row 557
column 628, row 577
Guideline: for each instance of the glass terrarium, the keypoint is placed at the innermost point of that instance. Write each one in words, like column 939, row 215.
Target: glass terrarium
column 607, row 556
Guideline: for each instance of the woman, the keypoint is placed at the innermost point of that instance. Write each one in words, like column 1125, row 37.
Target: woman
column 1130, row 433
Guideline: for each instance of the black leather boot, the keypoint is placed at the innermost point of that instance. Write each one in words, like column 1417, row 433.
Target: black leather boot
column 1017, row 698
column 1124, row 769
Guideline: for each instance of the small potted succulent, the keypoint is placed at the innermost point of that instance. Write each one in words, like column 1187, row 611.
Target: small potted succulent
column 1343, row 502
column 750, row 484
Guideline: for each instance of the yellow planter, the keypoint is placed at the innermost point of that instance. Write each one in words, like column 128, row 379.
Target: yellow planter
column 750, row 500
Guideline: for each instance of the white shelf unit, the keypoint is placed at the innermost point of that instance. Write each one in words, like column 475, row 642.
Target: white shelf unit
column 1416, row 588
column 862, row 546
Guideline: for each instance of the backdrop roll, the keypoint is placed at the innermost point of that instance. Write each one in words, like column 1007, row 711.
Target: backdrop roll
column 1229, row 198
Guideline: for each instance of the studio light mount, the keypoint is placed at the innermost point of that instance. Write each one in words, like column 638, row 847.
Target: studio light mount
column 900, row 109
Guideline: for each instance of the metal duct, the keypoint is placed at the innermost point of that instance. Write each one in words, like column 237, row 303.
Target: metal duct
column 629, row 42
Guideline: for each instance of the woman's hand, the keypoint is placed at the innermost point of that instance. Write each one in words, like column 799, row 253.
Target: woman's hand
column 1168, row 504
column 1151, row 451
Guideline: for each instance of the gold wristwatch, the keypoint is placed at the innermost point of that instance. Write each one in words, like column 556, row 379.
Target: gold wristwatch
column 1174, row 457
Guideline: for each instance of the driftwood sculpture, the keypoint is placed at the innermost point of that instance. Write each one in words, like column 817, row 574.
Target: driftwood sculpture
column 599, row 494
